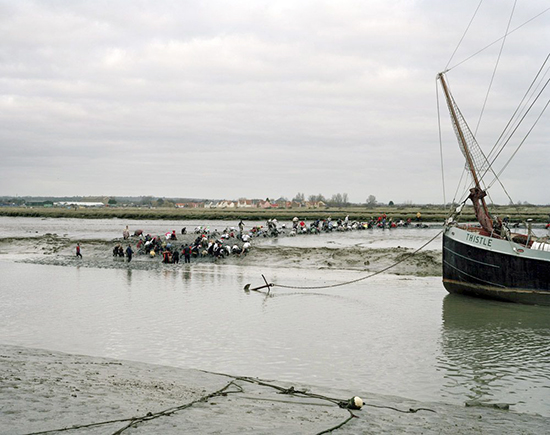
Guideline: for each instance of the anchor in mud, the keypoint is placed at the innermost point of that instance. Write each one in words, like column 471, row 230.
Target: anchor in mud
column 267, row 285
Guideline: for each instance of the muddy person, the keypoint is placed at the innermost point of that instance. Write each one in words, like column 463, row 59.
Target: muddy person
column 78, row 254
column 187, row 253
column 129, row 253
column 176, row 257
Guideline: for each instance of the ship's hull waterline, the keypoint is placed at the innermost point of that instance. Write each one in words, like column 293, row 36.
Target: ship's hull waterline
column 486, row 267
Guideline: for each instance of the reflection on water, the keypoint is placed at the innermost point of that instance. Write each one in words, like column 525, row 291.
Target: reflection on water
column 387, row 334
column 496, row 352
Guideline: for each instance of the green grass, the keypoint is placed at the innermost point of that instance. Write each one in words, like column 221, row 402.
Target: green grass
column 429, row 213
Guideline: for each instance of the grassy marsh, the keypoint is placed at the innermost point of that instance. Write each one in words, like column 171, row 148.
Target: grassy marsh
column 430, row 213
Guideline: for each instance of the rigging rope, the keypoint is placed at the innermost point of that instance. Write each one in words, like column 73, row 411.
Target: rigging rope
column 495, row 69
column 515, row 129
column 494, row 42
column 513, row 117
column 463, row 35
column 521, row 143
column 406, row 257
column 440, row 142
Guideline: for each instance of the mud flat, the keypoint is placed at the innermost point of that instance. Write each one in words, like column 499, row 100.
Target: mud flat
column 49, row 392
column 52, row 249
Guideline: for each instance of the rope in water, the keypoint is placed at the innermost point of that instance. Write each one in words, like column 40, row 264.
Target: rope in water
column 406, row 257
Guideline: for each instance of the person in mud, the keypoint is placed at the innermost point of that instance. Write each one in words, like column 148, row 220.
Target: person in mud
column 173, row 236
column 126, row 233
column 187, row 254
column 272, row 227
column 213, row 249
column 118, row 251
column 210, row 248
column 176, row 257
column 129, row 253
column 184, row 230
column 166, row 256
column 78, row 254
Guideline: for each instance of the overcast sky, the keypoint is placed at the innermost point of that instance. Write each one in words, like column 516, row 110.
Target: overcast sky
column 230, row 99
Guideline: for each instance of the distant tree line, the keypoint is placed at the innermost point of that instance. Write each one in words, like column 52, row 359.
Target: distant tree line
column 336, row 200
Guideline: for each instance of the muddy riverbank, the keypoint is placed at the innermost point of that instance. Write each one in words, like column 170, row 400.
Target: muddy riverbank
column 53, row 392
column 52, row 249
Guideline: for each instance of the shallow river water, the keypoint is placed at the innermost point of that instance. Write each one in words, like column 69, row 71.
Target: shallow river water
column 396, row 335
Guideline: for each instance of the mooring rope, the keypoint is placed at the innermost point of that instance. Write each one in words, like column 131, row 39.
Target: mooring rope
column 132, row 421
column 224, row 391
column 406, row 257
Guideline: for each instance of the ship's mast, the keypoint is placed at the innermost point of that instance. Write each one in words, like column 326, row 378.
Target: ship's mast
column 477, row 194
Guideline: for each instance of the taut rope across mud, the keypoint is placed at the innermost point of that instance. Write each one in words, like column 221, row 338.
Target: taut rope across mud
column 405, row 257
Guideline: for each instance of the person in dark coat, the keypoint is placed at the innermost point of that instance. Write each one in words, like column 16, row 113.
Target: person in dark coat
column 176, row 256
column 129, row 253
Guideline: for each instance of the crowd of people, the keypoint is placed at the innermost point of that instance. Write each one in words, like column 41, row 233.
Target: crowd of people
column 203, row 243
column 328, row 225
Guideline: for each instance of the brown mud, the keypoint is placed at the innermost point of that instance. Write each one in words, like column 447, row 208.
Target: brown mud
column 52, row 249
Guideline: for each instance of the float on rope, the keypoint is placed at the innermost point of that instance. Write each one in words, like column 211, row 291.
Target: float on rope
column 354, row 403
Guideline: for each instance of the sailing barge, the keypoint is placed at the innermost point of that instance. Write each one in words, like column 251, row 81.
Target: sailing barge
column 488, row 260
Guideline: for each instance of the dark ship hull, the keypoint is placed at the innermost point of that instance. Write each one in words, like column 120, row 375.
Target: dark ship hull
column 481, row 266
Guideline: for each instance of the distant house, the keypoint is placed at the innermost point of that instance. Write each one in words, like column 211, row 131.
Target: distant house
column 226, row 204
column 245, row 203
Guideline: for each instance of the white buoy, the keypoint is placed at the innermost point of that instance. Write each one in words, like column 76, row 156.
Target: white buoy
column 356, row 402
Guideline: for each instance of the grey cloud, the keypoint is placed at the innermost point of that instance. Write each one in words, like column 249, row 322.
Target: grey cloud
column 315, row 96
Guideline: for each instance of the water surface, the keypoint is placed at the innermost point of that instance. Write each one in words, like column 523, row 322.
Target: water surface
column 398, row 335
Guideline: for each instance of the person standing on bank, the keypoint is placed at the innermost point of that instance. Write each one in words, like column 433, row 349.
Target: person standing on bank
column 78, row 254
column 129, row 253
